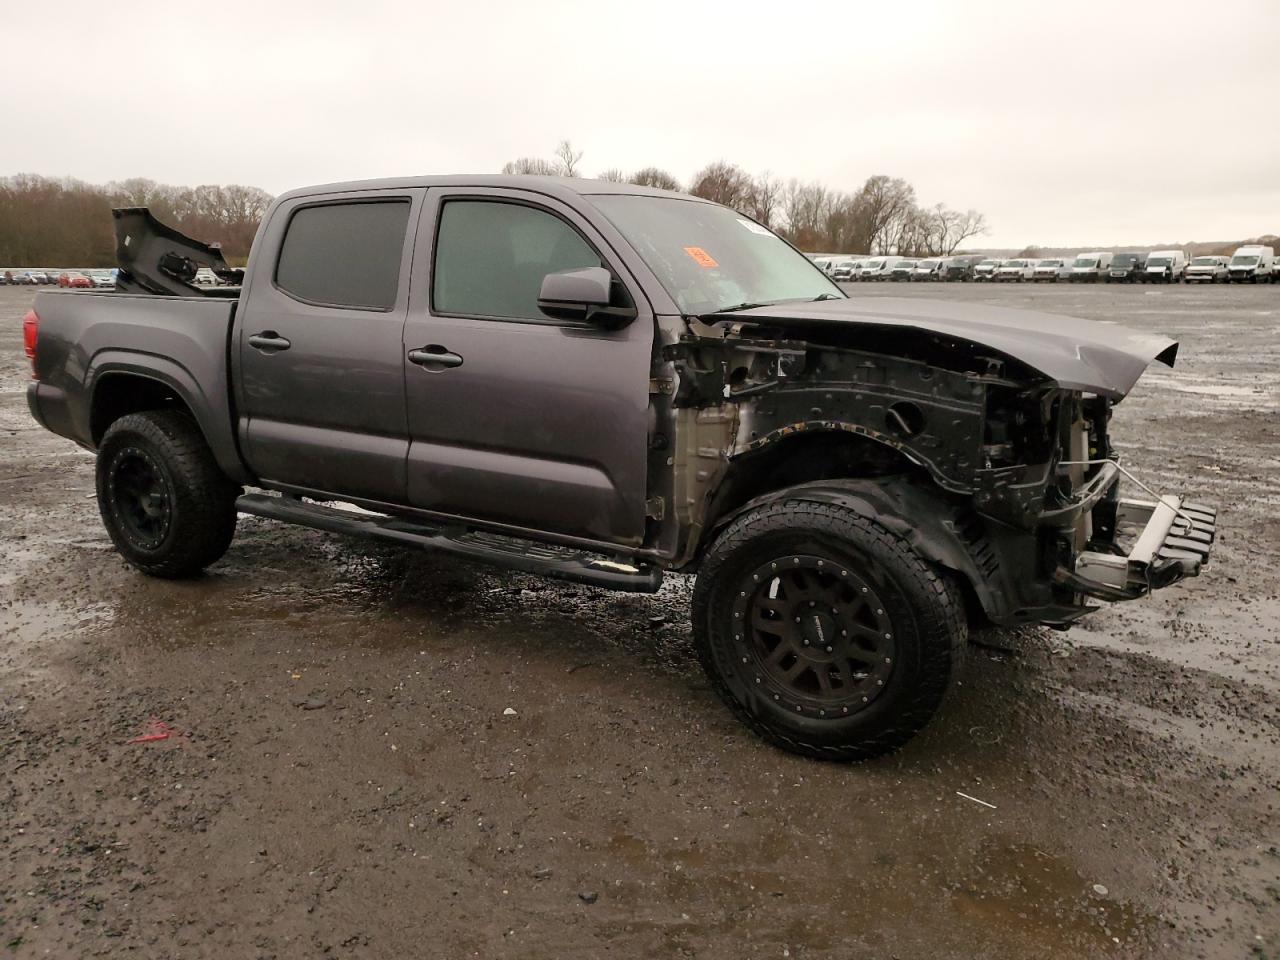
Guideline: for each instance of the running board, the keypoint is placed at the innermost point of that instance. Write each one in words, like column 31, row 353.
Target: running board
column 548, row 560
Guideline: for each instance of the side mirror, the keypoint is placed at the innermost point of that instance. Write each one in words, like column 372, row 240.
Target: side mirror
column 584, row 295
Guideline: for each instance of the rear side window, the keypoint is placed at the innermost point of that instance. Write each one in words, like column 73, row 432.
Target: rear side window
column 345, row 254
column 491, row 258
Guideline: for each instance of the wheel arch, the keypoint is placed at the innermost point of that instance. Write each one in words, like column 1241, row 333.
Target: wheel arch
column 939, row 529
column 120, row 383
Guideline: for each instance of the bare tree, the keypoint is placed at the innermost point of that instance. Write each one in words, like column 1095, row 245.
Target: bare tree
column 655, row 177
column 766, row 198
column 886, row 203
column 963, row 226
column 724, row 183
column 613, row 175
column 534, row 166
column 568, row 158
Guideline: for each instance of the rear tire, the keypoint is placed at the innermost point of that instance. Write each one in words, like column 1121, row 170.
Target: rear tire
column 824, row 632
column 167, row 506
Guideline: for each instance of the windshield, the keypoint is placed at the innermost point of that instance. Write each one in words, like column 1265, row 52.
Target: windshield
column 930, row 264
column 1159, row 261
column 1243, row 261
column 1050, row 263
column 874, row 264
column 1015, row 263
column 709, row 258
column 1205, row 262
column 1124, row 260
column 1086, row 261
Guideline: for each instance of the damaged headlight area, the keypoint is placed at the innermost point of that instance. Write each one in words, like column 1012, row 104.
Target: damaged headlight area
column 1019, row 469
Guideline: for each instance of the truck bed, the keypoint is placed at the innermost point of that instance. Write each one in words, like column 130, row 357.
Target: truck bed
column 180, row 342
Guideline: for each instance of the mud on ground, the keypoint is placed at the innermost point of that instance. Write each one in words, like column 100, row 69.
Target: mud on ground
column 346, row 781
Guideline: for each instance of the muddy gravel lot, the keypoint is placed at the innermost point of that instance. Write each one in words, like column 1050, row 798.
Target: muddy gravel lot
column 346, row 778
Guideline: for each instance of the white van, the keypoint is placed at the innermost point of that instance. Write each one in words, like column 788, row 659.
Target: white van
column 1165, row 266
column 1090, row 267
column 1051, row 271
column 1252, row 264
column 879, row 268
column 1016, row 270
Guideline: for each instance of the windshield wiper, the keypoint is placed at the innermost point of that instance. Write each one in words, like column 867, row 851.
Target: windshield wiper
column 751, row 305
column 743, row 306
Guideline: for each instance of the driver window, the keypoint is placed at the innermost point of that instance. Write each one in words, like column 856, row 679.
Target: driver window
column 491, row 256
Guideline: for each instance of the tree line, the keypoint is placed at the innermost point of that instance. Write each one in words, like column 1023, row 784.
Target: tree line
column 46, row 222
column 881, row 216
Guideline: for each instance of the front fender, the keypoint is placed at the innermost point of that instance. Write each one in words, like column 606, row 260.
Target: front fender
column 943, row 532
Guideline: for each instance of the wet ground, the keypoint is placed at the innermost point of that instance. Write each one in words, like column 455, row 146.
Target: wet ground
column 346, row 780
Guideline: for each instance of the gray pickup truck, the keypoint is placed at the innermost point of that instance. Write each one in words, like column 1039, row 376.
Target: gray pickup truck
column 603, row 382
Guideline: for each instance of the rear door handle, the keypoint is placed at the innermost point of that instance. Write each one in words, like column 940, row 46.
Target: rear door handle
column 434, row 357
column 268, row 341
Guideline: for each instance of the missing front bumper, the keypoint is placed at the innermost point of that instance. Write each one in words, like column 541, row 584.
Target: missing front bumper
column 1171, row 540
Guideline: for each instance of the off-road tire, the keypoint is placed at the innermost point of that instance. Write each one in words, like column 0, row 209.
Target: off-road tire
column 196, row 498
column 923, row 605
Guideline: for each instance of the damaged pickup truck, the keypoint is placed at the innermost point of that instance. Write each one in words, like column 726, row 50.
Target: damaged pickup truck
column 602, row 382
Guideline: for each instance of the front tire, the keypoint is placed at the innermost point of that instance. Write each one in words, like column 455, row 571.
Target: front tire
column 824, row 632
column 168, row 508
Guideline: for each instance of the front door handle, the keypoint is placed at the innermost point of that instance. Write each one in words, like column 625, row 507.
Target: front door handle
column 434, row 357
column 268, row 341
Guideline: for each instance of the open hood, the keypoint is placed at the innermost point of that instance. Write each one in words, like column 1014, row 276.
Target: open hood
column 1102, row 358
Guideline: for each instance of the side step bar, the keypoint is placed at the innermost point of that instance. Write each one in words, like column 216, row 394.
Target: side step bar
column 548, row 560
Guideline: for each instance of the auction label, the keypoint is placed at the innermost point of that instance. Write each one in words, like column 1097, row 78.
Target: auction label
column 701, row 257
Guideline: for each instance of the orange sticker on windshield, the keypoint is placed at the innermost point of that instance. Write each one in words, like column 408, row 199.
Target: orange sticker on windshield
column 701, row 257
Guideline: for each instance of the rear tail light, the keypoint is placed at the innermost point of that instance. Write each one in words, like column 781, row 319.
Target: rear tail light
column 30, row 331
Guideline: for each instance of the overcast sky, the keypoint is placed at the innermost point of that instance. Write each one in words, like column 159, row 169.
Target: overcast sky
column 1065, row 123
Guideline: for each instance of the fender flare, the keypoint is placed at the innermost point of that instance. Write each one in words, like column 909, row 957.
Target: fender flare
column 916, row 513
column 204, row 409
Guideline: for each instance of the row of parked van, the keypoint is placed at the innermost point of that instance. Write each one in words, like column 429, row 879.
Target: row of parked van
column 1249, row 264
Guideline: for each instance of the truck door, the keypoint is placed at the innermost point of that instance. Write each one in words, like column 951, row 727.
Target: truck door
column 320, row 377
column 520, row 419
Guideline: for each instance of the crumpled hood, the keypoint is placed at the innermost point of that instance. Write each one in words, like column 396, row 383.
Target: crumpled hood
column 1102, row 358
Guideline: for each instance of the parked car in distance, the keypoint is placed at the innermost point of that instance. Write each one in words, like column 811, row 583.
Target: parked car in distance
column 1252, row 263
column 1207, row 270
column 103, row 278
column 1016, row 271
column 206, row 277
column 985, row 270
column 879, row 268
column 930, row 269
column 1050, row 270
column 75, row 280
column 959, row 269
column 1089, row 267
column 38, row 277
column 904, row 269
column 844, row 270
column 1165, row 266
column 1126, row 267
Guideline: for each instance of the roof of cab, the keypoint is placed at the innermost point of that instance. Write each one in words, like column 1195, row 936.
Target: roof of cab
column 551, row 186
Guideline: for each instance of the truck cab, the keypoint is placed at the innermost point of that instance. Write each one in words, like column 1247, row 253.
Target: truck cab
column 985, row 270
